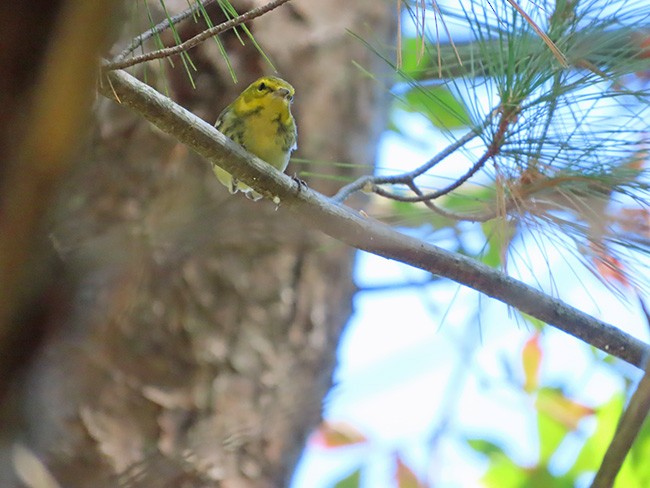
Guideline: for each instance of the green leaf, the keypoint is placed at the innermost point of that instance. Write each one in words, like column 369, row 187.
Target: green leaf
column 486, row 447
column 412, row 64
column 406, row 214
column 537, row 324
column 540, row 477
column 439, row 105
column 551, row 434
column 594, row 449
column 557, row 406
column 470, row 200
column 639, row 456
column 626, row 478
column 352, row 481
column 635, row 472
column 504, row 473
column 499, row 234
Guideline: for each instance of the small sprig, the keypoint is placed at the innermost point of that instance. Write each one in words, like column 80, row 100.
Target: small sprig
column 371, row 183
column 120, row 63
column 162, row 26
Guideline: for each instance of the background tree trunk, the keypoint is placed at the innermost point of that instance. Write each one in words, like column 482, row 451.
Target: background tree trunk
column 198, row 336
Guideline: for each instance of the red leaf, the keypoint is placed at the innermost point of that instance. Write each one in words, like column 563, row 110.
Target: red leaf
column 635, row 220
column 611, row 269
column 336, row 434
column 405, row 477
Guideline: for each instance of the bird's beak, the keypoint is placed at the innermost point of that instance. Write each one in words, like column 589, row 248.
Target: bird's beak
column 283, row 93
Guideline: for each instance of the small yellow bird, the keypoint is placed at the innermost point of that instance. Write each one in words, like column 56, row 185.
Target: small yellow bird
column 260, row 121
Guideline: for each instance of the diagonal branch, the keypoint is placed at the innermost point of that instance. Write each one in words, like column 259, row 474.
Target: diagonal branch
column 361, row 232
column 627, row 430
column 628, row 427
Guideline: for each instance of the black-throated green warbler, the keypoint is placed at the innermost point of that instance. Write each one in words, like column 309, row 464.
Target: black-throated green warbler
column 260, row 121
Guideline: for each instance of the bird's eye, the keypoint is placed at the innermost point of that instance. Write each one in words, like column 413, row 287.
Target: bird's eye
column 261, row 86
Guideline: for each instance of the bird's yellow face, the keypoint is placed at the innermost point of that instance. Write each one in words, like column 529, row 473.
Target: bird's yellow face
column 270, row 94
column 270, row 85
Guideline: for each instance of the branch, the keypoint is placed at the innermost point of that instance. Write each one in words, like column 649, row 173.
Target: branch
column 140, row 39
column 190, row 43
column 424, row 197
column 628, row 427
column 371, row 182
column 349, row 226
column 627, row 430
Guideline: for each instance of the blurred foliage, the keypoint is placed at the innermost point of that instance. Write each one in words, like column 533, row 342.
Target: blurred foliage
column 438, row 104
column 340, row 436
column 558, row 417
column 351, row 481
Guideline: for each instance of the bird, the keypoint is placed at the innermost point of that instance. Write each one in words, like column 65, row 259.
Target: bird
column 260, row 121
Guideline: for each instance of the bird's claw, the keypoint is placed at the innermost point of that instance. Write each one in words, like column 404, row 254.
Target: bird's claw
column 301, row 183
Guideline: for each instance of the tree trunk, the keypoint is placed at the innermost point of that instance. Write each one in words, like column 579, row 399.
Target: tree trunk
column 198, row 337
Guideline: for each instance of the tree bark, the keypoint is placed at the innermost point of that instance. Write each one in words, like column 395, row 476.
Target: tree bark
column 198, row 339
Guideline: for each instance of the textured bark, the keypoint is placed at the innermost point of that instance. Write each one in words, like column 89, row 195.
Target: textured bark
column 200, row 335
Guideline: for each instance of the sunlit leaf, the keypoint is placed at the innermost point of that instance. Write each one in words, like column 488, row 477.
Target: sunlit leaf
column 541, row 477
column 504, row 473
column 352, row 481
column 551, row 434
column 499, row 234
column 439, row 105
column 626, row 478
column 488, row 448
column 560, row 408
column 610, row 268
column 531, row 359
column 470, row 199
column 637, row 459
column 538, row 325
column 412, row 63
column 592, row 452
column 415, row 214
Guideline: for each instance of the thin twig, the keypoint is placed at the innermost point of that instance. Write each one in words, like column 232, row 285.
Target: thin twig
column 163, row 25
column 371, row 184
column 371, row 181
column 422, row 197
column 457, row 216
column 190, row 43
